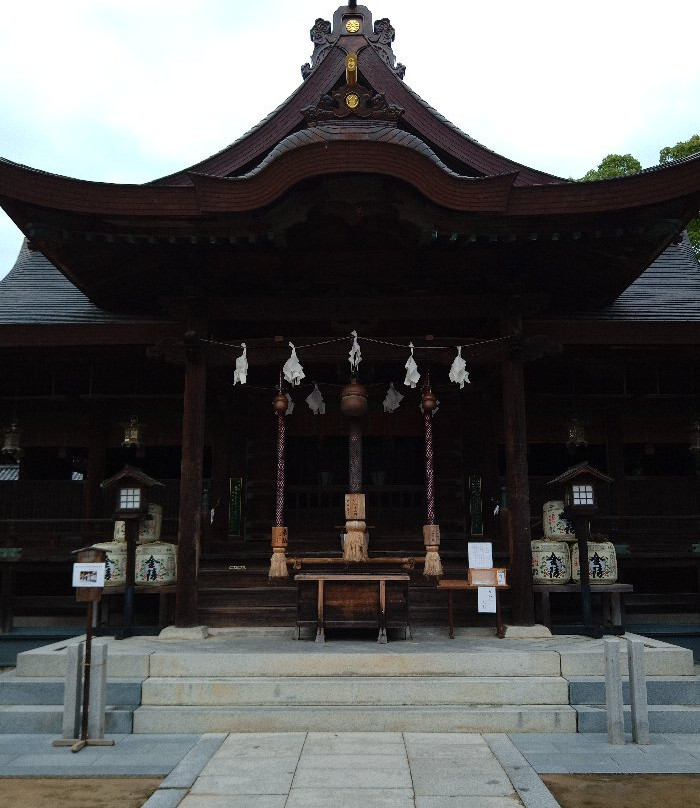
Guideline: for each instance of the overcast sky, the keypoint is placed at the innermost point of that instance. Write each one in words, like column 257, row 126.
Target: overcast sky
column 130, row 90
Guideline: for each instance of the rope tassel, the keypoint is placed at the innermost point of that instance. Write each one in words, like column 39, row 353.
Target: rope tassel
column 431, row 531
column 278, row 562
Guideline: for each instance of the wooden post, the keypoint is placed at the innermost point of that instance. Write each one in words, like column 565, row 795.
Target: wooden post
column 131, row 532
column 515, row 434
column 97, row 450
column 189, row 523
column 616, row 463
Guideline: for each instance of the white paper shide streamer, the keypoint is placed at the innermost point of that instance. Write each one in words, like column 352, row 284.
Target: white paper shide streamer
column 315, row 401
column 355, row 353
column 458, row 371
column 393, row 399
column 292, row 370
column 241, row 372
column 412, row 374
column 290, row 405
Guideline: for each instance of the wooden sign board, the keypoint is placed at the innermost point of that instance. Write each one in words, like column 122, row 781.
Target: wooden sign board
column 496, row 576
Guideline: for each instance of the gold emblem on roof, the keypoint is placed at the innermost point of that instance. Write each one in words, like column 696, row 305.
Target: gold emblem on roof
column 352, row 100
column 352, row 26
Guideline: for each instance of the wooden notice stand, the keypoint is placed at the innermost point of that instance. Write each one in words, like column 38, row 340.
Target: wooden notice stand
column 461, row 584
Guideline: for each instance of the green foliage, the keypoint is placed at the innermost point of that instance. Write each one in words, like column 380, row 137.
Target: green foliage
column 694, row 235
column 618, row 165
column 684, row 148
column 614, row 165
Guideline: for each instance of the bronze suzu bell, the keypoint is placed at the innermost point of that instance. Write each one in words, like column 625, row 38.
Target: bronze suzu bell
column 280, row 402
column 353, row 400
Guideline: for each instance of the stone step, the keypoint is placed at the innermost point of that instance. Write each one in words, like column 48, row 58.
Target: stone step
column 124, row 660
column 660, row 659
column 314, row 660
column 681, row 718
column 29, row 690
column 434, row 718
column 348, row 691
column 673, row 690
column 47, row 719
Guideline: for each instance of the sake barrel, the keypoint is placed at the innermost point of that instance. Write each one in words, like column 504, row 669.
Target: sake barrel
column 115, row 562
column 602, row 563
column 554, row 524
column 551, row 562
column 149, row 528
column 155, row 563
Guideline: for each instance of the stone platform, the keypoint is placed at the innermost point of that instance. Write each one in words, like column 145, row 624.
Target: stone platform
column 262, row 680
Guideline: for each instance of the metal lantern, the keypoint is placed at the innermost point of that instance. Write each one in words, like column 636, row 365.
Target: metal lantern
column 353, row 400
column 695, row 437
column 133, row 434
column 11, row 445
column 576, row 434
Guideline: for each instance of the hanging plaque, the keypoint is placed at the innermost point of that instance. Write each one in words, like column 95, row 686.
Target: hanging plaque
column 234, row 505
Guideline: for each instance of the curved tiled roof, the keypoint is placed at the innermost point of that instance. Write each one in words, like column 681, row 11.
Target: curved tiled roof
column 36, row 292
column 668, row 290
column 349, row 130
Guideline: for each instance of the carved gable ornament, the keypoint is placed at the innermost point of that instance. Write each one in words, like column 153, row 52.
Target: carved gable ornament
column 352, row 101
column 324, row 38
column 384, row 35
column 323, row 41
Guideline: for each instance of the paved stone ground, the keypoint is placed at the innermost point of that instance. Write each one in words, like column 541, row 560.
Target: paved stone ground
column 592, row 754
column 349, row 770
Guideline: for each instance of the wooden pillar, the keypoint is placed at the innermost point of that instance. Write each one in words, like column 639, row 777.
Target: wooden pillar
column 97, row 453
column 515, row 433
column 616, row 463
column 189, row 523
column 220, row 470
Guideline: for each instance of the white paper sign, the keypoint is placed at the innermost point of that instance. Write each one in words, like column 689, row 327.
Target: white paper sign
column 486, row 596
column 480, row 555
column 501, row 578
column 89, row 575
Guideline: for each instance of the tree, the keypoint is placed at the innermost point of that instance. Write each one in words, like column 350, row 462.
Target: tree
column 618, row 165
column 614, row 165
column 685, row 148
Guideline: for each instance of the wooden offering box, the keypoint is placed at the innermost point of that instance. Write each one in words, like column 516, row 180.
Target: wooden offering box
column 495, row 576
column 352, row 600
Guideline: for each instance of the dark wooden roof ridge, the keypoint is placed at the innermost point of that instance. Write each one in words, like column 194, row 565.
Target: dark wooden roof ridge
column 429, row 124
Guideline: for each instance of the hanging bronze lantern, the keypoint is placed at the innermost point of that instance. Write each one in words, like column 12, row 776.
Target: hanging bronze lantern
column 576, row 434
column 133, row 434
column 695, row 437
column 12, row 445
column 353, row 400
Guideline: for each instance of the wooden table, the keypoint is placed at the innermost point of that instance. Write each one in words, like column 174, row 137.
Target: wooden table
column 452, row 585
column 613, row 600
column 7, row 569
column 164, row 591
column 352, row 600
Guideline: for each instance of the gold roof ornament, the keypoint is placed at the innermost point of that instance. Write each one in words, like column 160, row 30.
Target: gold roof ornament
column 351, row 69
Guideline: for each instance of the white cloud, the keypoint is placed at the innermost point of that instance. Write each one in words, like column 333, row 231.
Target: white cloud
column 128, row 90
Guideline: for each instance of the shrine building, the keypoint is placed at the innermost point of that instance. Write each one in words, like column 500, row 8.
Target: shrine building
column 202, row 327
